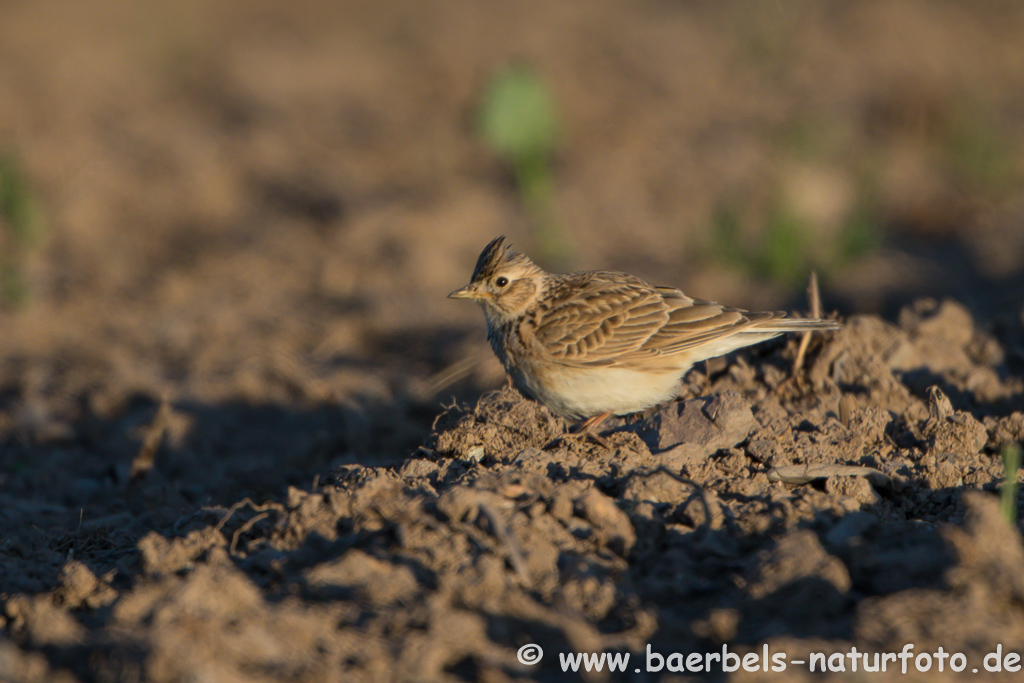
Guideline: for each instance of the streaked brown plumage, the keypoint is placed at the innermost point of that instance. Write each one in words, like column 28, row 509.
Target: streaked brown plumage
column 594, row 343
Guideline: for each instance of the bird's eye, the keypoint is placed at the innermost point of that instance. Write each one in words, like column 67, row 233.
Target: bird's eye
column 501, row 281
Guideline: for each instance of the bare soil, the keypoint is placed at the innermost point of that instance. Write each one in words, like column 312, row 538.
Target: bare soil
column 244, row 437
column 503, row 530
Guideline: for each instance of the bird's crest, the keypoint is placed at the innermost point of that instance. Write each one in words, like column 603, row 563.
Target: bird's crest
column 495, row 255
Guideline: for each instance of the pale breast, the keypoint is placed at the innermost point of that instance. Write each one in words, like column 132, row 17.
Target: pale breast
column 578, row 393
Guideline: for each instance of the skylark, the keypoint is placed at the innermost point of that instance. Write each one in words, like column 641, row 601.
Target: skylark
column 598, row 343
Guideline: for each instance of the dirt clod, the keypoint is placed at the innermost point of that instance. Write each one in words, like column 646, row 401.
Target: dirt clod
column 612, row 524
column 701, row 426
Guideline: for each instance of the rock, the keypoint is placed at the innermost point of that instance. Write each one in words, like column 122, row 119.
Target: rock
column 699, row 427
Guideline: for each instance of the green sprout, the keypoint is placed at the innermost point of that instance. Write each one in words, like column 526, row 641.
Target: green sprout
column 781, row 254
column 518, row 121
column 785, row 254
column 861, row 234
column 785, row 248
column 1008, row 493
column 20, row 228
column 725, row 236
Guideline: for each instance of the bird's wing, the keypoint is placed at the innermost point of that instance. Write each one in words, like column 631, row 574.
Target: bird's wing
column 593, row 318
column 695, row 322
column 613, row 319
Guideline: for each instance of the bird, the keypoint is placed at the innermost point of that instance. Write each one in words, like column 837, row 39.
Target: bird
column 592, row 344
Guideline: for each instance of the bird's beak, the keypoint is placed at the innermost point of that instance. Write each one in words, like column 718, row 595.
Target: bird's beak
column 467, row 292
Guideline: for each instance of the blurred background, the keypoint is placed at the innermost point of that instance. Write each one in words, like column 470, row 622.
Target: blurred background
column 255, row 210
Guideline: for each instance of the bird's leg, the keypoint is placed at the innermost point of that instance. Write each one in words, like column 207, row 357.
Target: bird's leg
column 592, row 422
column 587, row 429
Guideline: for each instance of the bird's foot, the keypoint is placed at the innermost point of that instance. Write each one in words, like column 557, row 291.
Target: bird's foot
column 586, row 430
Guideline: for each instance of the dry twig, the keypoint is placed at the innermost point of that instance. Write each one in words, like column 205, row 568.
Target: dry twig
column 796, row 475
column 814, row 296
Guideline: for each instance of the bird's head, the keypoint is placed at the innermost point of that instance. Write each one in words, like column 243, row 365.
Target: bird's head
column 505, row 283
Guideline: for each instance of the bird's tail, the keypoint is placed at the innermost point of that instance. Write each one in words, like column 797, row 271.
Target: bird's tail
column 782, row 324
